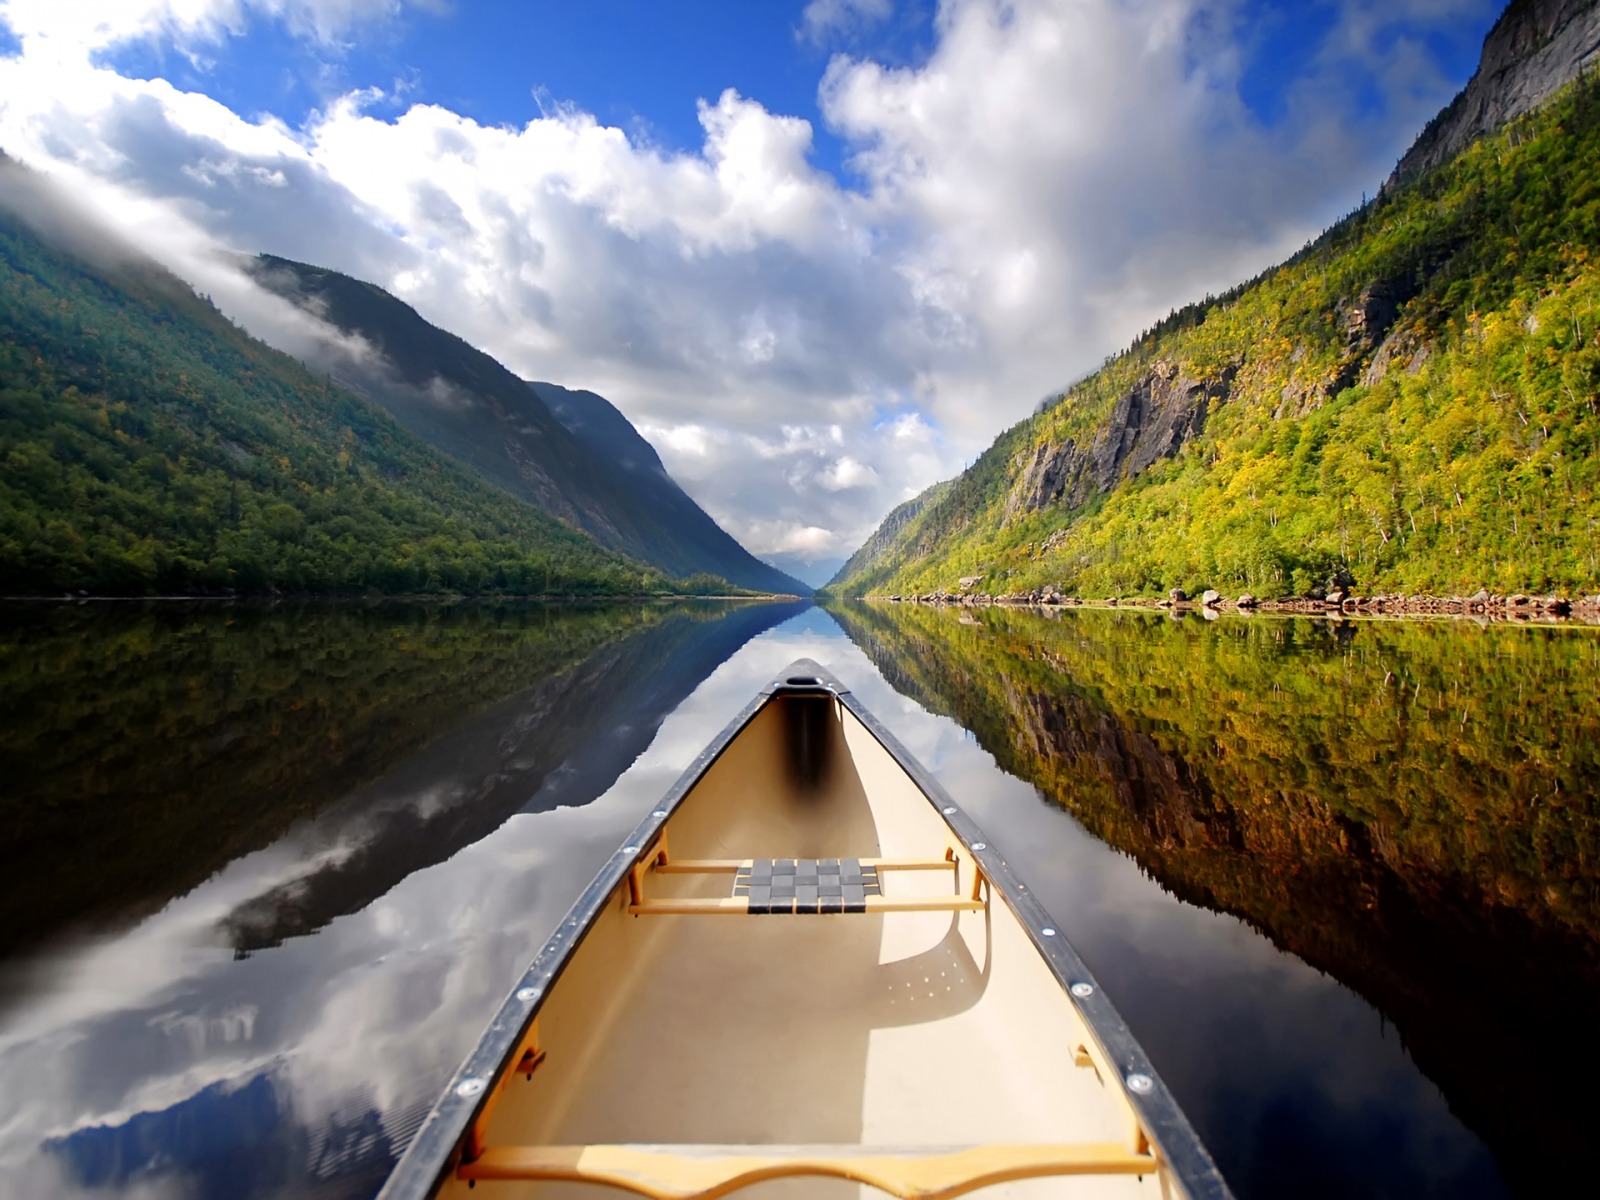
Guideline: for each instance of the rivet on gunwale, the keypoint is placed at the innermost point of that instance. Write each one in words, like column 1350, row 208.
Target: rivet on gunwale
column 1141, row 1084
column 630, row 849
column 660, row 812
column 980, row 845
column 1048, row 932
column 949, row 812
column 1082, row 990
column 470, row 1086
column 527, row 993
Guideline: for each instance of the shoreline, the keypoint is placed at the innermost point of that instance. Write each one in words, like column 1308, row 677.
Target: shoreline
column 1517, row 607
column 270, row 598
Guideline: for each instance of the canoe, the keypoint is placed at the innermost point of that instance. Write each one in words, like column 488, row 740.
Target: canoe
column 806, row 973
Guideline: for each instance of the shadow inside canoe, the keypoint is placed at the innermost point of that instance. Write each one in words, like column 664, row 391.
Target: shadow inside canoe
column 756, row 1030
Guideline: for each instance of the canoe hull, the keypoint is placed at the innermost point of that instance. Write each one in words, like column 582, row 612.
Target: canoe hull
column 668, row 1015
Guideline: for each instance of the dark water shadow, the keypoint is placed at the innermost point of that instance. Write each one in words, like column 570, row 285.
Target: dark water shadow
column 558, row 744
column 143, row 747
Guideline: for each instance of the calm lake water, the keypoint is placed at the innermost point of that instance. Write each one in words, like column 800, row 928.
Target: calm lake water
column 269, row 871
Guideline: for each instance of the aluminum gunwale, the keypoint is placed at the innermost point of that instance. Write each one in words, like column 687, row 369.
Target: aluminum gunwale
column 1164, row 1121
column 435, row 1149
column 433, row 1152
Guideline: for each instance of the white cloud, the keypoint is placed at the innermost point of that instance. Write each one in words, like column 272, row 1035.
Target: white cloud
column 70, row 28
column 846, row 473
column 1055, row 175
column 680, row 440
column 824, row 19
column 803, row 539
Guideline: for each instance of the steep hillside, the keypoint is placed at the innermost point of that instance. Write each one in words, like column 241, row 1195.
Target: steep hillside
column 151, row 446
column 882, row 546
column 470, row 406
column 1413, row 401
column 598, row 424
column 692, row 541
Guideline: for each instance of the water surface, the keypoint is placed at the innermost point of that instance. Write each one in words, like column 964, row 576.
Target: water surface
column 270, row 870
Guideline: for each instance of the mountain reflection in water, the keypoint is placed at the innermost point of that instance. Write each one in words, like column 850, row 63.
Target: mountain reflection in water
column 255, row 775
column 559, row 743
column 271, row 870
column 1409, row 807
column 145, row 747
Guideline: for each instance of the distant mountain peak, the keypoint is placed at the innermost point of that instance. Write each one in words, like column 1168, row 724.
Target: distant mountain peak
column 1533, row 50
column 599, row 424
column 571, row 452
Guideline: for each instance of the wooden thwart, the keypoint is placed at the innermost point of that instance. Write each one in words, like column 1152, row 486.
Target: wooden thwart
column 730, row 866
column 738, row 907
column 657, row 861
column 688, row 1172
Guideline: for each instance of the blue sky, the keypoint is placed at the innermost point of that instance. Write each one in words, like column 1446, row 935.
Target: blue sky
column 642, row 65
column 820, row 252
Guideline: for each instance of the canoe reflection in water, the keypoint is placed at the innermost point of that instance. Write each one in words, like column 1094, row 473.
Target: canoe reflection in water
column 898, row 1027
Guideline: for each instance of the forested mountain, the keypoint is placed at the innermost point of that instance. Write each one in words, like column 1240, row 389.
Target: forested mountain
column 151, row 446
column 1413, row 399
column 571, row 453
column 692, row 540
column 886, row 541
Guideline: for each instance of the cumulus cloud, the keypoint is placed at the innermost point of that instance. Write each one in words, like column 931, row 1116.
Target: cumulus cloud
column 805, row 354
column 846, row 473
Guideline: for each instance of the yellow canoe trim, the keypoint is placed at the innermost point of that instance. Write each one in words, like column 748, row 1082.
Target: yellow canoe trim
column 687, row 1172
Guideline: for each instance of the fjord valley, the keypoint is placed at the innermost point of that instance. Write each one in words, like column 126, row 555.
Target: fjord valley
column 1407, row 405
column 350, row 638
column 151, row 446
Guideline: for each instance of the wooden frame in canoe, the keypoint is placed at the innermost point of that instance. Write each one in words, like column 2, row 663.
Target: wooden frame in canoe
column 896, row 1031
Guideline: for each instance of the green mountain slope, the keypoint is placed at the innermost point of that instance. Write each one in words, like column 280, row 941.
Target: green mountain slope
column 886, row 542
column 589, row 467
column 1412, row 399
column 150, row 446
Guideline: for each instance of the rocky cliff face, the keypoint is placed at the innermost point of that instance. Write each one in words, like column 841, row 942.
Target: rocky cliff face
column 1534, row 48
column 1152, row 420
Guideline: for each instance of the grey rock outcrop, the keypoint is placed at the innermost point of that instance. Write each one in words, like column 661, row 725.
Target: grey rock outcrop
column 1152, row 420
column 1367, row 321
column 1534, row 48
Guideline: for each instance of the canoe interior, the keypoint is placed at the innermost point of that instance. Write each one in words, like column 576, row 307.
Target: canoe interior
column 893, row 1029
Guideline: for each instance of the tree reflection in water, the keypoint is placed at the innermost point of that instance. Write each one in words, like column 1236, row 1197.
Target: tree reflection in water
column 1410, row 807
